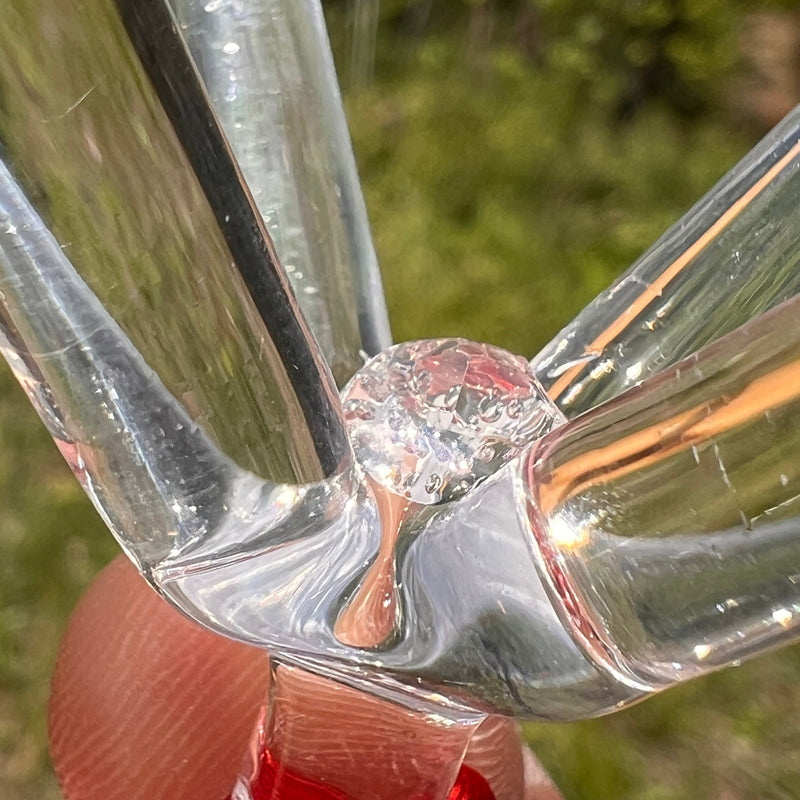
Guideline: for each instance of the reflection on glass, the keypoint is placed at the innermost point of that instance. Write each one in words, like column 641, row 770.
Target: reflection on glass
column 669, row 519
column 269, row 74
column 734, row 255
column 162, row 235
column 145, row 313
column 318, row 740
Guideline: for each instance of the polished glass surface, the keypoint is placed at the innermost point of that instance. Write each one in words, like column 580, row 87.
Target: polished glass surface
column 119, row 177
column 269, row 75
column 734, row 255
column 668, row 520
column 145, row 312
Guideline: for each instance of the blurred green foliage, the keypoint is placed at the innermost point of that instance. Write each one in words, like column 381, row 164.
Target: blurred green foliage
column 505, row 185
column 516, row 155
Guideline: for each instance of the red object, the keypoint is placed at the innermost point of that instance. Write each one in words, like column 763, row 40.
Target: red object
column 470, row 785
column 276, row 782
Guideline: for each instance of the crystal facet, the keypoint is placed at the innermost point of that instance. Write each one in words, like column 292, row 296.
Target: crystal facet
column 428, row 419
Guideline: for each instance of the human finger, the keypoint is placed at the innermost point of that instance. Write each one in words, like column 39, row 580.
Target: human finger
column 145, row 703
column 148, row 705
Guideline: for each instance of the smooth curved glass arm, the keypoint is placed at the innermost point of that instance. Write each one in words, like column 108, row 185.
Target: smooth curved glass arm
column 668, row 520
column 734, row 255
column 116, row 167
column 476, row 626
column 269, row 73
column 158, row 480
column 129, row 315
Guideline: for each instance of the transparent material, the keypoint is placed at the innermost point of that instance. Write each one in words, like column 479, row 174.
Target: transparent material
column 476, row 627
column 429, row 419
column 145, row 314
column 269, row 74
column 319, row 740
column 734, row 255
column 116, row 172
column 668, row 520
column 156, row 476
column 144, row 310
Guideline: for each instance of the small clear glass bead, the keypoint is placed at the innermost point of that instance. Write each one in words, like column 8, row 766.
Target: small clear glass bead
column 429, row 419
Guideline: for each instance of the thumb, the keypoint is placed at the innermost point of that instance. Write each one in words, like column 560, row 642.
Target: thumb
column 146, row 704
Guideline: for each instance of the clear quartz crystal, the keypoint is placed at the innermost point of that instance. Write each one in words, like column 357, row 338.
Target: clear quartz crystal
column 428, row 419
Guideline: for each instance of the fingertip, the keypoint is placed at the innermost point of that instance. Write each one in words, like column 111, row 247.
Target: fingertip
column 146, row 704
column 510, row 768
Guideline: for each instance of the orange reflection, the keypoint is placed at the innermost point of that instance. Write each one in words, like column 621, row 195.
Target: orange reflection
column 665, row 438
column 654, row 290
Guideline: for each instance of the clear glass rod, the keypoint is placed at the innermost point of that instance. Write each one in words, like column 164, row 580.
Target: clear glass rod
column 667, row 521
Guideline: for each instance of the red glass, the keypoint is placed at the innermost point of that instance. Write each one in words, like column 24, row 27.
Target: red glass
column 470, row 785
column 276, row 782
